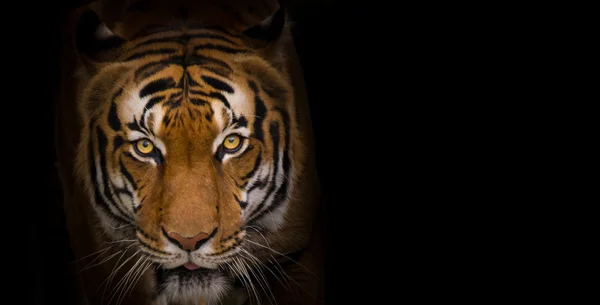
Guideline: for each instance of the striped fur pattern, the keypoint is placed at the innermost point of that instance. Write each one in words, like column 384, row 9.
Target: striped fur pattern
column 185, row 90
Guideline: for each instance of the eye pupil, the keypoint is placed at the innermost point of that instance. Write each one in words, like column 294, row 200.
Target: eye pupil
column 231, row 139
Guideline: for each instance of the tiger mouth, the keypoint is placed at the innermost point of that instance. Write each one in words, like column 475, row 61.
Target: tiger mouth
column 185, row 271
column 183, row 277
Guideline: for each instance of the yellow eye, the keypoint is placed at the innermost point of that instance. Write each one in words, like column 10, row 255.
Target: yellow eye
column 232, row 143
column 144, row 146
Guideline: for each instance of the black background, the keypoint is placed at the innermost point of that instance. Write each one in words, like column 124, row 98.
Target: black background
column 374, row 89
column 321, row 31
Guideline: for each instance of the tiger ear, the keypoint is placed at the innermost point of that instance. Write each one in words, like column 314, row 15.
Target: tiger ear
column 94, row 41
column 267, row 31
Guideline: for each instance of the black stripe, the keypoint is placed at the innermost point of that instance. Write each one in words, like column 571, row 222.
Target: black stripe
column 258, row 184
column 166, row 119
column 274, row 132
column 218, row 71
column 255, row 168
column 149, row 247
column 253, row 86
column 137, row 127
column 201, row 60
column 141, row 204
column 217, row 84
column 113, row 117
column 162, row 51
column 221, row 98
column 117, row 143
column 220, row 153
column 94, row 180
column 153, row 101
column 149, row 69
column 259, row 114
column 198, row 102
column 224, row 49
column 146, row 235
column 190, row 80
column 127, row 175
column 281, row 193
column 219, row 67
column 176, row 95
column 216, row 95
column 120, row 191
column 173, row 103
column 241, row 121
column 102, row 144
column 157, row 86
column 243, row 204
column 192, row 91
column 134, row 126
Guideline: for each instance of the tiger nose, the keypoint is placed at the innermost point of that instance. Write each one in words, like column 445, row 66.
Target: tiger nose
column 187, row 243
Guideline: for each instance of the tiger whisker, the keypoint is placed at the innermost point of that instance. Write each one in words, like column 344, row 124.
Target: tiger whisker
column 148, row 265
column 254, row 270
column 129, row 284
column 120, row 284
column 290, row 278
column 88, row 266
column 238, row 274
column 111, row 274
column 82, row 258
column 244, row 272
column 114, row 272
column 281, row 254
column 120, row 241
column 262, row 264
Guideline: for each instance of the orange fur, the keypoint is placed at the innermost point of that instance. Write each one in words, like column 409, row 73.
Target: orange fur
column 189, row 192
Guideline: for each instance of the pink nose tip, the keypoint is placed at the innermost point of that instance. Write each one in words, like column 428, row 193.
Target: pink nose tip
column 187, row 243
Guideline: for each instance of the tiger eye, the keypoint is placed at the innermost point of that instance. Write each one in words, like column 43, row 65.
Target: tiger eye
column 144, row 146
column 232, row 142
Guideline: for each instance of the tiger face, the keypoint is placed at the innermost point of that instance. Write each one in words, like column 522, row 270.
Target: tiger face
column 188, row 142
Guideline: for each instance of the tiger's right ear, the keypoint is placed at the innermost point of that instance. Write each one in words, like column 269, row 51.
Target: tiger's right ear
column 94, row 41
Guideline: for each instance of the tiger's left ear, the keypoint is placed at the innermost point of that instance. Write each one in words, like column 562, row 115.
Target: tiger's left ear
column 267, row 31
column 94, row 41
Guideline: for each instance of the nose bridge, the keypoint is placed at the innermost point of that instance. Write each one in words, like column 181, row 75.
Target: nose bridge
column 190, row 198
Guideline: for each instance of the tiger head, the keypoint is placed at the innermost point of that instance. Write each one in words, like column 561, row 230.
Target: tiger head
column 189, row 139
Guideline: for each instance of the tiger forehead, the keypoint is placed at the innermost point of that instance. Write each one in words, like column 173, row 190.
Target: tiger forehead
column 188, row 97
column 173, row 86
column 188, row 46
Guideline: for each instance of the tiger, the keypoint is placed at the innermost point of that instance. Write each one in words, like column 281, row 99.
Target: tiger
column 186, row 156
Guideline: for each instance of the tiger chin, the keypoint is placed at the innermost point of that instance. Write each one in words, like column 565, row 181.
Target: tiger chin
column 186, row 158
